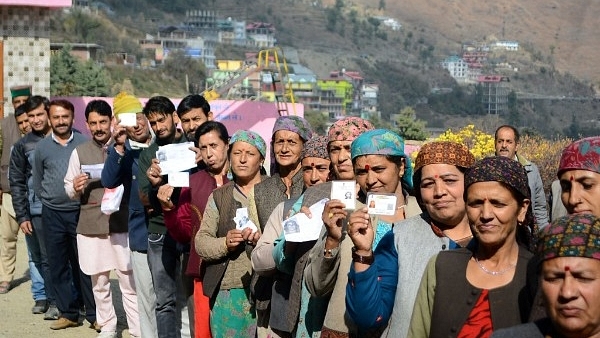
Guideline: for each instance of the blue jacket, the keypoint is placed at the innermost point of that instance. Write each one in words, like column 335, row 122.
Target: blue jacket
column 124, row 170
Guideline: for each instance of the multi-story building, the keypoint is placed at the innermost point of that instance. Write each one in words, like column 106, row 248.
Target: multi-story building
column 494, row 93
column 261, row 34
column 457, row 67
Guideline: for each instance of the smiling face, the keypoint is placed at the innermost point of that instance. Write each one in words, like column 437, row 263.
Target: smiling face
column 245, row 160
column 213, row 151
column 38, row 120
column 340, row 155
column 315, row 170
column 61, row 121
column 580, row 191
column 377, row 174
column 493, row 213
column 571, row 291
column 287, row 147
column 141, row 131
column 23, row 123
column 441, row 188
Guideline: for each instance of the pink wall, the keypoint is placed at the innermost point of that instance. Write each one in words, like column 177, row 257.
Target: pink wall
column 37, row 3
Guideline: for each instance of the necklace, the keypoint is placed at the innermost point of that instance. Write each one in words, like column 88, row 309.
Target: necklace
column 493, row 273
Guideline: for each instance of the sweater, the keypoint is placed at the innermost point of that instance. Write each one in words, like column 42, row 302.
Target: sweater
column 25, row 201
column 50, row 166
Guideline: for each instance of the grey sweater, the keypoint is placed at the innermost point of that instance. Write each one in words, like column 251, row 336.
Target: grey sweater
column 49, row 169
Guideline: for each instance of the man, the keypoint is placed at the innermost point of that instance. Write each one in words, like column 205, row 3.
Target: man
column 569, row 280
column 9, row 135
column 28, row 207
column 507, row 144
column 164, row 253
column 122, row 167
column 60, row 215
column 193, row 111
column 101, row 239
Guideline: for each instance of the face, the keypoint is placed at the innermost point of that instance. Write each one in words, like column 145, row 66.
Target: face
column 506, row 144
column 339, row 153
column 441, row 188
column 493, row 213
column 287, row 147
column 99, row 127
column 61, row 121
column 23, row 123
column 140, row 132
column 315, row 170
column 245, row 161
column 163, row 125
column 38, row 119
column 571, row 290
column 213, row 151
column 18, row 101
column 193, row 119
column 375, row 173
column 581, row 191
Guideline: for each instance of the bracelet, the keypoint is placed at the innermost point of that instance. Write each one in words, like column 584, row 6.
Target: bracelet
column 368, row 260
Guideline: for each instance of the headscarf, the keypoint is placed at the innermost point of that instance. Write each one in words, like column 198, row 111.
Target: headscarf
column 576, row 235
column 251, row 138
column 582, row 154
column 315, row 147
column 444, row 152
column 294, row 124
column 348, row 128
column 126, row 103
column 382, row 142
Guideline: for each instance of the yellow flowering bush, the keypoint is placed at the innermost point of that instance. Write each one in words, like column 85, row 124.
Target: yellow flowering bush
column 479, row 143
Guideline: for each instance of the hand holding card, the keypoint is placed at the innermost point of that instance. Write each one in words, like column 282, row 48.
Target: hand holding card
column 345, row 191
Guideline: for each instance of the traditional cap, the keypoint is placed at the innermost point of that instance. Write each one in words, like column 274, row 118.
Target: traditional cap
column 575, row 235
column 444, row 152
column 251, row 138
column 126, row 103
column 24, row 90
column 499, row 169
column 315, row 147
column 582, row 154
column 382, row 142
column 294, row 124
column 349, row 128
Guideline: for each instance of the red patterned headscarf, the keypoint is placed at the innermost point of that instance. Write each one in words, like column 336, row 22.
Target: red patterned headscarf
column 348, row 128
column 582, row 154
column 576, row 235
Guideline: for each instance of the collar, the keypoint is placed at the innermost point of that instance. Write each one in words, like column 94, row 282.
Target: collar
column 57, row 141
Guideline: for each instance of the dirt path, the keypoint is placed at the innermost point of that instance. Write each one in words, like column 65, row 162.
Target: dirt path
column 17, row 321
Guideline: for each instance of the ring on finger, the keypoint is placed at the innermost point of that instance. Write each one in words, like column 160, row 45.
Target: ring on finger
column 330, row 214
column 168, row 199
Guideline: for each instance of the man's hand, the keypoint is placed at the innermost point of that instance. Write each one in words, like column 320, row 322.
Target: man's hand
column 26, row 227
column 79, row 183
column 154, row 173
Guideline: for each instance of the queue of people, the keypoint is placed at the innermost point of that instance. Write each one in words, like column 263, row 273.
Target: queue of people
column 448, row 246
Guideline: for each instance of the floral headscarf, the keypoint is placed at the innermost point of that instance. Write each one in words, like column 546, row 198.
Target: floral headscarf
column 315, row 147
column 251, row 138
column 294, row 124
column 582, row 154
column 349, row 128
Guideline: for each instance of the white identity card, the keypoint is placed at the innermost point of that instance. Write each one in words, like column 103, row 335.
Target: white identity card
column 381, row 204
column 242, row 221
column 179, row 179
column 128, row 119
column 176, row 157
column 93, row 171
column 299, row 228
column 344, row 191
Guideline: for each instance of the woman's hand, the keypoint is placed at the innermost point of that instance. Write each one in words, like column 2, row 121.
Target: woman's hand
column 164, row 196
column 360, row 230
column 332, row 216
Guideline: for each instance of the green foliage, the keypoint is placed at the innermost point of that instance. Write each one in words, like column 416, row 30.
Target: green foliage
column 71, row 77
column 409, row 126
column 178, row 65
column 317, row 120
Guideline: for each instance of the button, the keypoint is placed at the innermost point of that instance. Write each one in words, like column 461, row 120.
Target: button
column 443, row 246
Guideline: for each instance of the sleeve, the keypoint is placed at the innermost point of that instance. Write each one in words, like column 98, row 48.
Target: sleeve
column 420, row 322
column 370, row 294
column 73, row 169
column 179, row 219
column 115, row 169
column 37, row 170
column 17, row 178
column 262, row 255
column 540, row 210
column 208, row 245
column 320, row 273
column 282, row 262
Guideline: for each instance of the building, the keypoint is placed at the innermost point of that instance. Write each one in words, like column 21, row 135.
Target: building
column 506, row 45
column 261, row 34
column 494, row 93
column 25, row 46
column 457, row 67
column 82, row 51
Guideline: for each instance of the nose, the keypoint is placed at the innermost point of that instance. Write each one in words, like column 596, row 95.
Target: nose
column 574, row 195
column 314, row 175
column 486, row 210
column 344, row 155
column 243, row 158
column 371, row 178
column 568, row 288
column 439, row 189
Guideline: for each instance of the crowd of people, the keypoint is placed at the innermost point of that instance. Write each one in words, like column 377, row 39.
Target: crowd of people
column 445, row 247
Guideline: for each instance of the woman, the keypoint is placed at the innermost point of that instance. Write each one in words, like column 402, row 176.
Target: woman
column 470, row 293
column 182, row 218
column 388, row 283
column 224, row 247
column 579, row 175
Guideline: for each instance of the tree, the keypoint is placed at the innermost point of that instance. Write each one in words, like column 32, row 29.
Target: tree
column 71, row 77
column 513, row 112
column 318, row 121
column 178, row 65
column 409, row 126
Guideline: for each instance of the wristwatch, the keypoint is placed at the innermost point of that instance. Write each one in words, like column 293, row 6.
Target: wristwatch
column 368, row 260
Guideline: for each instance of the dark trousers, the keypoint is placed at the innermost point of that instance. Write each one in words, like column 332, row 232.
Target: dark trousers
column 61, row 247
column 39, row 255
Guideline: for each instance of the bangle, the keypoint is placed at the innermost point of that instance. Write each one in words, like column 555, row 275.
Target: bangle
column 368, row 260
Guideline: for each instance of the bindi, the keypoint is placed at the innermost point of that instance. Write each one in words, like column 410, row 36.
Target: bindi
column 572, row 178
column 367, row 167
column 312, row 164
column 567, row 268
column 436, row 176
